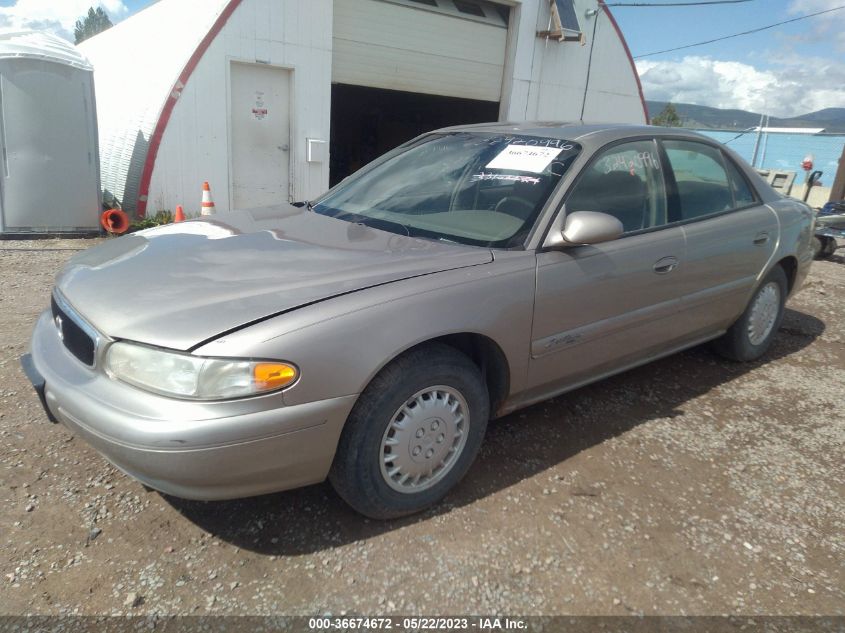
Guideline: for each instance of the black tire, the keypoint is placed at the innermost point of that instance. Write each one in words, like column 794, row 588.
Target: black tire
column 736, row 343
column 356, row 473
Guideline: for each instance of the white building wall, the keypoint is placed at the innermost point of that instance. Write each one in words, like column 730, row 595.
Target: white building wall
column 139, row 60
column 546, row 84
column 549, row 77
column 285, row 33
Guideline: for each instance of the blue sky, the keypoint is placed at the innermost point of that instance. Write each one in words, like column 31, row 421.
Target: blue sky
column 648, row 29
column 789, row 70
column 785, row 71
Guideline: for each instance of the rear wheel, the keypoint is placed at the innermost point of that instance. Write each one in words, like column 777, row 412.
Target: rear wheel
column 413, row 433
column 751, row 335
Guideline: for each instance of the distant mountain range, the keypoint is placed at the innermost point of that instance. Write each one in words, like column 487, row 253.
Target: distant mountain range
column 705, row 117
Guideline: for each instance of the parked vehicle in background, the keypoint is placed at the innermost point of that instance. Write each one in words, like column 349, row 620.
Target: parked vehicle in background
column 368, row 336
column 830, row 226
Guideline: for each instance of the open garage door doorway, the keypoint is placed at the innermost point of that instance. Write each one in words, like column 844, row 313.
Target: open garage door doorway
column 367, row 122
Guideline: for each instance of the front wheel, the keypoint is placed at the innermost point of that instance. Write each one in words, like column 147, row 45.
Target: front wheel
column 751, row 335
column 413, row 433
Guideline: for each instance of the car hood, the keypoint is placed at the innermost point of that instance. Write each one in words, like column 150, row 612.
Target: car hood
column 179, row 285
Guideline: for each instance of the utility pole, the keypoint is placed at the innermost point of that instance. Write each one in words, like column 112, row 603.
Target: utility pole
column 837, row 191
column 757, row 142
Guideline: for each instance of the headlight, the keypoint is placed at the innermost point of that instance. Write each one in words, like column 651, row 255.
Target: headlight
column 187, row 376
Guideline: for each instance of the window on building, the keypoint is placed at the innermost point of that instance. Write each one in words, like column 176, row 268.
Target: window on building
column 476, row 10
column 469, row 7
column 563, row 12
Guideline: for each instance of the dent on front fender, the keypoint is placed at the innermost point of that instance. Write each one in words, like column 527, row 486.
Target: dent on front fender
column 341, row 344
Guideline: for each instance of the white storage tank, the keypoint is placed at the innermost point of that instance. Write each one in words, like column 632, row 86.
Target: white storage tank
column 49, row 161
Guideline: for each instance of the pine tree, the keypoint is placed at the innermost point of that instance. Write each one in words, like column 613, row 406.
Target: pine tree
column 95, row 22
column 668, row 118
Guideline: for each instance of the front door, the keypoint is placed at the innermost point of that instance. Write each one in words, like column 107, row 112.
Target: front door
column 601, row 307
column 260, row 135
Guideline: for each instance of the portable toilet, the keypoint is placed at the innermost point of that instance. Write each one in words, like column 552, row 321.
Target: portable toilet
column 49, row 161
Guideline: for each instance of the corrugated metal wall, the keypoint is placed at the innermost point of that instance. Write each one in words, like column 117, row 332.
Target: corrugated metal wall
column 136, row 63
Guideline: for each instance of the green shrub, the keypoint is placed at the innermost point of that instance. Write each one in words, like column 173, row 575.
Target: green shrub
column 161, row 217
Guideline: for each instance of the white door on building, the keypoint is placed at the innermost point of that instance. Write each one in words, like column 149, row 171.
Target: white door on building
column 260, row 135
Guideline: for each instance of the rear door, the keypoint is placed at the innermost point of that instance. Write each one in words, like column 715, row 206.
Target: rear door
column 730, row 235
column 605, row 306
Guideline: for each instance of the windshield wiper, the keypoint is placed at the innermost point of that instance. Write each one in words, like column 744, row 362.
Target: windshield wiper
column 373, row 223
column 303, row 203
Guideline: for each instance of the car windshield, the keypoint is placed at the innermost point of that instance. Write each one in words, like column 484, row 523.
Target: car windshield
column 466, row 187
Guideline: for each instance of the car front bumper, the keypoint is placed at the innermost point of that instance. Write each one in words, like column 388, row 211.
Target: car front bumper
column 194, row 450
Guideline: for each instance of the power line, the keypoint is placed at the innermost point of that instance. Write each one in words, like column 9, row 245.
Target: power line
column 727, row 37
column 743, row 133
column 671, row 4
column 589, row 67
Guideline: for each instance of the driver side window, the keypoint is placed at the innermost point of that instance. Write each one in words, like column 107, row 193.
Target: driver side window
column 625, row 181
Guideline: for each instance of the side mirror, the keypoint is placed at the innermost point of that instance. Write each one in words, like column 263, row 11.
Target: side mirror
column 591, row 227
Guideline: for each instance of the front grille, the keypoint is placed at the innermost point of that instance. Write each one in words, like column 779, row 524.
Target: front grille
column 76, row 340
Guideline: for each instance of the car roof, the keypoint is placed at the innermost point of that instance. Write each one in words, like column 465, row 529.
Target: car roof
column 591, row 133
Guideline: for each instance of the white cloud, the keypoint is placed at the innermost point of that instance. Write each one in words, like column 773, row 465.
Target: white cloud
column 797, row 88
column 829, row 27
column 58, row 17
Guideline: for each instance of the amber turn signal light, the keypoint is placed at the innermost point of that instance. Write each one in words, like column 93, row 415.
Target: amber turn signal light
column 273, row 375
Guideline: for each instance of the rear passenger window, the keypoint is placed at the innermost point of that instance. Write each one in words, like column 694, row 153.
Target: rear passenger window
column 743, row 196
column 703, row 184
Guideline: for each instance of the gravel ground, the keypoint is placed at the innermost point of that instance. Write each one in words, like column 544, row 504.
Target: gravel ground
column 689, row 486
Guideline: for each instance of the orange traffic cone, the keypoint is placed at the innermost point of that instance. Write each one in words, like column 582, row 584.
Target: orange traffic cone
column 179, row 216
column 114, row 221
column 207, row 202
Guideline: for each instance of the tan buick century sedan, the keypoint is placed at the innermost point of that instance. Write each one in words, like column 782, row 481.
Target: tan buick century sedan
column 368, row 336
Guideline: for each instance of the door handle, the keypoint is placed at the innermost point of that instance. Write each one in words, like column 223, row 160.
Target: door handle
column 665, row 265
column 284, row 147
column 762, row 238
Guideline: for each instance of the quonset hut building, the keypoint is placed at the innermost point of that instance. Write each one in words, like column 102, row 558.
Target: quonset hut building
column 274, row 100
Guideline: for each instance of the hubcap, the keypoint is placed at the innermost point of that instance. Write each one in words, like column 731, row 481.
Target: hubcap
column 424, row 439
column 764, row 312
